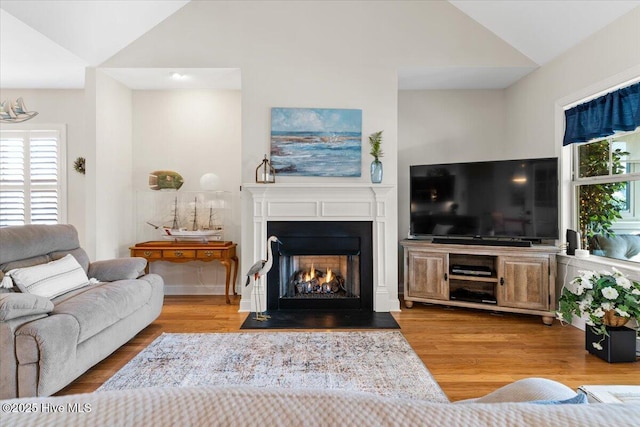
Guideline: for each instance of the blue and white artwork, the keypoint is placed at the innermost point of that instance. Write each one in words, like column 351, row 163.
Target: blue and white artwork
column 316, row 141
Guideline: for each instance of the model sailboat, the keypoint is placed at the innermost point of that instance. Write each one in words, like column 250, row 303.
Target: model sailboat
column 204, row 234
column 15, row 112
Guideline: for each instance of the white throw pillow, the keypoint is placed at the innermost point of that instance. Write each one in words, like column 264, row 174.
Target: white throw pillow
column 52, row 279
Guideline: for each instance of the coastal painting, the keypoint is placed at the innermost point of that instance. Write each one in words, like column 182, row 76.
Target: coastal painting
column 316, row 141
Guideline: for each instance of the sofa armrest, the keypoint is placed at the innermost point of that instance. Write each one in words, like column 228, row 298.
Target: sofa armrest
column 527, row 390
column 117, row 269
column 14, row 305
column 46, row 352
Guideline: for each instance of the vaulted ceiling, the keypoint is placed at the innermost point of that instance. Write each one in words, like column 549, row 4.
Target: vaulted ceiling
column 48, row 43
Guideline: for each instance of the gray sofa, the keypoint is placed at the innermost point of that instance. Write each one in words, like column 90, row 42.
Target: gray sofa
column 241, row 406
column 47, row 343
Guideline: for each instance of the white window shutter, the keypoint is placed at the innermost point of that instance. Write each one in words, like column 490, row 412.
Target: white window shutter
column 44, row 178
column 12, row 178
column 29, row 177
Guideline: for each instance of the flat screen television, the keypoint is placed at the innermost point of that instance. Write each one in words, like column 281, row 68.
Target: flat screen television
column 508, row 199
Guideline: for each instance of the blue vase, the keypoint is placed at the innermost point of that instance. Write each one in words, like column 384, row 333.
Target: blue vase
column 376, row 172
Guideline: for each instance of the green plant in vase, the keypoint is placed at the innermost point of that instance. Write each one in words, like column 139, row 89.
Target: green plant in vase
column 375, row 140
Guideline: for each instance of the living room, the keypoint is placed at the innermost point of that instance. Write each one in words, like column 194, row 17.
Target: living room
column 355, row 55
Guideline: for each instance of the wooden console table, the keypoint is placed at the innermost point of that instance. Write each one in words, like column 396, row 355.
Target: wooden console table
column 225, row 252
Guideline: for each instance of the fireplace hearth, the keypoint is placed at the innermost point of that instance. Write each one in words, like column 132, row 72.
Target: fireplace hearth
column 321, row 265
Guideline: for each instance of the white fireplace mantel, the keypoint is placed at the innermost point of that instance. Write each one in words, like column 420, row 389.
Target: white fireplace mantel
column 328, row 202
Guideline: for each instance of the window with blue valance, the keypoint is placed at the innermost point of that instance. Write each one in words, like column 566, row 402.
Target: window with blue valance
column 603, row 116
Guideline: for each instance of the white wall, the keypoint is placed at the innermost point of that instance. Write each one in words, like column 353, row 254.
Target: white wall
column 328, row 54
column 64, row 107
column 531, row 102
column 371, row 90
column 317, row 54
column 374, row 91
column 536, row 118
column 90, row 106
column 527, row 118
column 109, row 191
column 446, row 126
column 370, row 34
column 192, row 132
column 535, row 104
column 518, row 122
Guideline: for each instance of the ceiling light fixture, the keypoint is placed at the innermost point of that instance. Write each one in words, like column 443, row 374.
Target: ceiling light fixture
column 178, row 76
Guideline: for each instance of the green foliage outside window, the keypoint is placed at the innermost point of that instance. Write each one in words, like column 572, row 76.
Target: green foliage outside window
column 599, row 207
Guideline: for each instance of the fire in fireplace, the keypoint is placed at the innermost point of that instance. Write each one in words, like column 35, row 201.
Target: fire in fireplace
column 335, row 277
column 316, row 283
column 321, row 265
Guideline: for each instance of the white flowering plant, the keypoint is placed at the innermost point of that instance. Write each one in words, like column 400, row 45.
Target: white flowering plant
column 599, row 297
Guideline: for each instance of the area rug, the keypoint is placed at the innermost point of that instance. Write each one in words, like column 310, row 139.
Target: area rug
column 379, row 362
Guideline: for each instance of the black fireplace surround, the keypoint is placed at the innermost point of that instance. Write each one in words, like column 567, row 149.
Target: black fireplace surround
column 322, row 238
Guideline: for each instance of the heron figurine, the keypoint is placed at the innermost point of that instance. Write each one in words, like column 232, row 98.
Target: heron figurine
column 258, row 270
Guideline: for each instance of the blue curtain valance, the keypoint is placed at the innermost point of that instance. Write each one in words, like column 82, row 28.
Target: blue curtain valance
column 600, row 117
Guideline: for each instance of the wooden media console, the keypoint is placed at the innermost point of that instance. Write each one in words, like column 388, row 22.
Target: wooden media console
column 497, row 278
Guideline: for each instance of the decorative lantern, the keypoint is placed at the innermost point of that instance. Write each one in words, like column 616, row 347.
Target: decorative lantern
column 265, row 173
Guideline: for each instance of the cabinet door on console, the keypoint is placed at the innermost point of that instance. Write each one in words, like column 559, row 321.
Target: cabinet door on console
column 524, row 282
column 427, row 275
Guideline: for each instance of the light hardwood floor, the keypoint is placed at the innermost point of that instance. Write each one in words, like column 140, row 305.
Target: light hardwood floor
column 470, row 353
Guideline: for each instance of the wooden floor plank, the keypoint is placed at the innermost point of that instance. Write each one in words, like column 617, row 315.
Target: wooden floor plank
column 469, row 352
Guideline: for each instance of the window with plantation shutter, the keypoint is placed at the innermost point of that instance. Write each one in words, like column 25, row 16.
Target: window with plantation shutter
column 32, row 181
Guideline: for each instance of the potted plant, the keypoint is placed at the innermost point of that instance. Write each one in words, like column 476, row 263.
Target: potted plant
column 606, row 300
column 375, row 140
